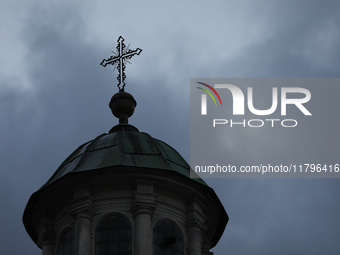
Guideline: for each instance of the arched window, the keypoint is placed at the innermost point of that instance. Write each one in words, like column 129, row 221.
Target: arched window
column 66, row 245
column 167, row 239
column 113, row 236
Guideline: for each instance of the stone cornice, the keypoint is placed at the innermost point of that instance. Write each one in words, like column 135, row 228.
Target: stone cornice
column 46, row 231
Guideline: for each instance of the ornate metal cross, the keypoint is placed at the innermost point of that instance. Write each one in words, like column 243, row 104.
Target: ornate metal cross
column 118, row 60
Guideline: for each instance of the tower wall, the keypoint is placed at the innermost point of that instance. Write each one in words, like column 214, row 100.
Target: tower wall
column 145, row 197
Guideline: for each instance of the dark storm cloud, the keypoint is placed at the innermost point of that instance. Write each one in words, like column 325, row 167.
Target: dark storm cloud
column 303, row 43
column 281, row 216
column 67, row 105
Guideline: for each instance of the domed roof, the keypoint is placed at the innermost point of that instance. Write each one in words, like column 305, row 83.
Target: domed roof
column 123, row 148
column 124, row 145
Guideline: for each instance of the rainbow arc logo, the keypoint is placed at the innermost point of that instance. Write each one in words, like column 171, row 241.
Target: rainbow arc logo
column 204, row 97
column 208, row 92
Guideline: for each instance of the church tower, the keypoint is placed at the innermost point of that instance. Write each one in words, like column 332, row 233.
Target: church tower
column 124, row 193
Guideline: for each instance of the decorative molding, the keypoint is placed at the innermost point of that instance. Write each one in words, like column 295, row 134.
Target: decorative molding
column 195, row 215
column 46, row 232
column 145, row 199
column 82, row 205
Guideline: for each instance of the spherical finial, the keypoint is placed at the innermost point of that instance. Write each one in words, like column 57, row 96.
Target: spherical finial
column 122, row 105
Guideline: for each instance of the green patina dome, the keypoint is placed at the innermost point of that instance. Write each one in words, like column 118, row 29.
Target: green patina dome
column 124, row 148
column 124, row 145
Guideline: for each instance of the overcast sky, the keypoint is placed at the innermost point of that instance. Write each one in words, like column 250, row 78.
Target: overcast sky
column 54, row 97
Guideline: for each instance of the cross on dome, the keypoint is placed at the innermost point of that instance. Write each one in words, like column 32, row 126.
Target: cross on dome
column 118, row 60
